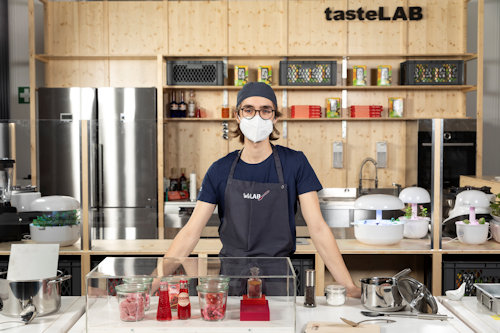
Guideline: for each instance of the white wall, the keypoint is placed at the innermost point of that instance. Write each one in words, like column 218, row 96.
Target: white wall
column 19, row 76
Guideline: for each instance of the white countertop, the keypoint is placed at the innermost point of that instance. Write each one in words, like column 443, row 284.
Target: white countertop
column 72, row 309
column 323, row 312
column 475, row 315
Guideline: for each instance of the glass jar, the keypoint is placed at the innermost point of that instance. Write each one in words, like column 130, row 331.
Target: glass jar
column 147, row 282
column 335, row 294
column 214, row 279
column 212, row 298
column 131, row 301
column 173, row 283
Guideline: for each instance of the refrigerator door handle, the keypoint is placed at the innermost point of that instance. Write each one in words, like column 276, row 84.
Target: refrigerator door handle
column 100, row 174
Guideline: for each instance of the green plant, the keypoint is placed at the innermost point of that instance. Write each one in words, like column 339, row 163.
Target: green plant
column 423, row 211
column 466, row 221
column 481, row 220
column 495, row 206
column 408, row 211
column 69, row 217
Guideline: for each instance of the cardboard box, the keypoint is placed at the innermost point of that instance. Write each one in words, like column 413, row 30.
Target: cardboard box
column 265, row 74
column 396, row 107
column 384, row 75
column 359, row 75
column 240, row 75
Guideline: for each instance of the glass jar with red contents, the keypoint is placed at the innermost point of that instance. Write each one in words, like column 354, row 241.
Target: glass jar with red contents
column 164, row 312
column 213, row 298
column 183, row 303
column 131, row 301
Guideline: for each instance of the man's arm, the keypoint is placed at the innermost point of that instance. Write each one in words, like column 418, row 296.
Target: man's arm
column 325, row 243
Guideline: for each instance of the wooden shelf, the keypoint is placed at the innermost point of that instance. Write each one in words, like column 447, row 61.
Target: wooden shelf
column 47, row 57
column 170, row 120
column 65, row 250
column 455, row 247
column 465, row 88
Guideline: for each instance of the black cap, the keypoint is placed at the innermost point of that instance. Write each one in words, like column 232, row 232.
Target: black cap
column 256, row 89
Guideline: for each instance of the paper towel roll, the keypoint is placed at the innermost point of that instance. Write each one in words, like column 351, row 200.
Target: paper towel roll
column 192, row 187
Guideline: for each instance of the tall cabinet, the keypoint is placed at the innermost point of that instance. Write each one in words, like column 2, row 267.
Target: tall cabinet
column 114, row 43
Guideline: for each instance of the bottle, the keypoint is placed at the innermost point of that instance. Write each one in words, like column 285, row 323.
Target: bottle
column 183, row 180
column 309, row 296
column 191, row 105
column 182, row 107
column 174, row 181
column 254, row 284
column 183, row 304
column 173, row 106
column 164, row 312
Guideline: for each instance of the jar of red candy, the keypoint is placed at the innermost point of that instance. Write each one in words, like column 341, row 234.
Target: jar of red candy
column 173, row 289
column 213, row 298
column 131, row 301
column 146, row 281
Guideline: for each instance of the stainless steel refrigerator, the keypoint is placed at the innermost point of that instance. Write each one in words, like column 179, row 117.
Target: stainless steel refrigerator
column 122, row 155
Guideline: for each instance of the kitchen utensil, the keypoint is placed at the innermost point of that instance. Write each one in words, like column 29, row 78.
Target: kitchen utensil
column 381, row 294
column 417, row 295
column 488, row 294
column 27, row 316
column 404, row 272
column 457, row 294
column 406, row 315
column 42, row 296
column 32, row 261
column 355, row 324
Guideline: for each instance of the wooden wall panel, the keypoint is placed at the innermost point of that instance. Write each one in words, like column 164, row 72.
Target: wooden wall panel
column 316, row 139
column 93, row 28
column 61, row 24
column 257, row 27
column 376, row 37
column 197, row 27
column 361, row 143
column 130, row 73
column 137, row 27
column 411, row 174
column 194, row 146
column 435, row 104
column 443, row 29
column 76, row 73
column 310, row 33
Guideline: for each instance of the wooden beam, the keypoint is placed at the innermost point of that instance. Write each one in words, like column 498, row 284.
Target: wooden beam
column 160, row 172
column 437, row 273
column 319, row 266
column 437, row 181
column 85, row 239
column 32, row 73
column 479, row 94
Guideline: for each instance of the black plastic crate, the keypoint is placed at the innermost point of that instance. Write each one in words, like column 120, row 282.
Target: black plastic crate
column 432, row 72
column 308, row 73
column 197, row 73
column 300, row 263
column 72, row 266
column 469, row 272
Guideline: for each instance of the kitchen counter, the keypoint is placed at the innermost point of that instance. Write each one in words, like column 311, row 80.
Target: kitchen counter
column 72, row 309
column 480, row 181
column 475, row 315
column 322, row 313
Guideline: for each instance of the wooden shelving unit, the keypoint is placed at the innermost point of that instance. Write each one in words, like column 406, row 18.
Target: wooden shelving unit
column 108, row 43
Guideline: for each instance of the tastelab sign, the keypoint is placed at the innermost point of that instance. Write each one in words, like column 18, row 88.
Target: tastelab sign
column 413, row 13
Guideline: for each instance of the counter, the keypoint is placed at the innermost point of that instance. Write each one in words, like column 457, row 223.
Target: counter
column 475, row 315
column 72, row 309
column 323, row 312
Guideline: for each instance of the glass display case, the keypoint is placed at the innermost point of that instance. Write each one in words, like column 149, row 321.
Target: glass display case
column 220, row 293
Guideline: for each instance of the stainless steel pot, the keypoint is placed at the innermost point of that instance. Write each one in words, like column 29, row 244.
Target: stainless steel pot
column 43, row 294
column 381, row 294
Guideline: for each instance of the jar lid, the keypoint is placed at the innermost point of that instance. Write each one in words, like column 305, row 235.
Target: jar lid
column 335, row 289
column 215, row 278
column 138, row 279
column 417, row 295
column 212, row 288
column 131, row 288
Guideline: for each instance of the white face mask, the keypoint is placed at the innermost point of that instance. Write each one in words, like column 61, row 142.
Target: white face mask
column 256, row 129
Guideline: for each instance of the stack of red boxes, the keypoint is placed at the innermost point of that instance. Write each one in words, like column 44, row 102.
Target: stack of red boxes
column 306, row 111
column 366, row 111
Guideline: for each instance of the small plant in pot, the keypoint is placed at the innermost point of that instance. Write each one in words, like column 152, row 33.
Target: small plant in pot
column 416, row 222
column 471, row 230
column 495, row 213
column 59, row 221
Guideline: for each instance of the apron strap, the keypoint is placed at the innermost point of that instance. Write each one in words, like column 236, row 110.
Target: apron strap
column 277, row 163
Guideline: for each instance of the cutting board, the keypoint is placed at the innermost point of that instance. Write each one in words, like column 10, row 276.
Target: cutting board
column 328, row 327
column 32, row 261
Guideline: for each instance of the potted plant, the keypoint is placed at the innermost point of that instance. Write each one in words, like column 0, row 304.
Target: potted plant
column 471, row 230
column 495, row 213
column 59, row 222
column 416, row 222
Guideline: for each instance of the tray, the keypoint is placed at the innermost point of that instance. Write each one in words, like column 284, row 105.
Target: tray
column 488, row 294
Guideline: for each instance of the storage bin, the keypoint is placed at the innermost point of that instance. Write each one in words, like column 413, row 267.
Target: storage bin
column 197, row 73
column 432, row 72
column 308, row 73
column 457, row 272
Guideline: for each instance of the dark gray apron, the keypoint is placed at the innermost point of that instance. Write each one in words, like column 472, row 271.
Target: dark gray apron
column 256, row 217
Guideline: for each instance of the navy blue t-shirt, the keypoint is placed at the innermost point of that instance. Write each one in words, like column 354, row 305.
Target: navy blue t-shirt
column 297, row 172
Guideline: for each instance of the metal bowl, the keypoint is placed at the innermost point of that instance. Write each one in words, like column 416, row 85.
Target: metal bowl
column 381, row 294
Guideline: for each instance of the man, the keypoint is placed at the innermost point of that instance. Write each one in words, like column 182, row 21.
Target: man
column 256, row 191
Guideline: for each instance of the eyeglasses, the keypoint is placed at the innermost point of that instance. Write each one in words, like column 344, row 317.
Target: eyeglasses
column 265, row 112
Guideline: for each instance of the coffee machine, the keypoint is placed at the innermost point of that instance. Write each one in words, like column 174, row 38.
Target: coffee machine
column 13, row 224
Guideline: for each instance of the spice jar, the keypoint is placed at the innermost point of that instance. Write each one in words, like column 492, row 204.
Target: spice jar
column 335, row 294
column 147, row 282
column 213, row 298
column 131, row 301
column 309, row 296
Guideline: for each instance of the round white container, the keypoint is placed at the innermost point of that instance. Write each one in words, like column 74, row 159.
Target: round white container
column 64, row 235
column 416, row 228
column 335, row 294
column 472, row 233
column 495, row 230
column 378, row 232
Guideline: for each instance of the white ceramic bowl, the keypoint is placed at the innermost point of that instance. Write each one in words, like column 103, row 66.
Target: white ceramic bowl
column 378, row 232
column 472, row 233
column 64, row 235
column 417, row 228
column 495, row 230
